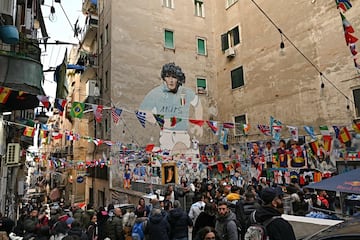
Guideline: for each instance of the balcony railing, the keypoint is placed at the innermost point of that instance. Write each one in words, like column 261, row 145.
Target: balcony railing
column 27, row 48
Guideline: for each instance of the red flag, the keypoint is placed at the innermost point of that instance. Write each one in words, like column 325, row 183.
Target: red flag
column 220, row 167
column 4, row 94
column 44, row 100
column 213, row 126
column 327, row 143
column 56, row 135
column 149, row 147
column 174, row 120
column 200, row 123
column 350, row 38
column 228, row 125
column 98, row 112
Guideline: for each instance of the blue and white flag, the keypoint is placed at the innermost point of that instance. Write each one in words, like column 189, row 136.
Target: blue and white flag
column 310, row 131
column 141, row 116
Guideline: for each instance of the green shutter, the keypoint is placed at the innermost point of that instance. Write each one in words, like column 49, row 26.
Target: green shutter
column 237, row 78
column 201, row 46
column 169, row 39
column 201, row 83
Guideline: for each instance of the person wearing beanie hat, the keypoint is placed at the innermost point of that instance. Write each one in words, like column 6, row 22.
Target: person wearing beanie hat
column 272, row 208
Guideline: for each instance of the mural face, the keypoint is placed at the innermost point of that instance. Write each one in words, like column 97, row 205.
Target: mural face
column 171, row 103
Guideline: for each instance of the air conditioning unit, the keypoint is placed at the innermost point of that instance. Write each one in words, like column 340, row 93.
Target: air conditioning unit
column 92, row 88
column 6, row 7
column 230, row 52
column 13, row 153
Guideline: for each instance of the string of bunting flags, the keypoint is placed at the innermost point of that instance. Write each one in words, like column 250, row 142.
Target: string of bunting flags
column 344, row 6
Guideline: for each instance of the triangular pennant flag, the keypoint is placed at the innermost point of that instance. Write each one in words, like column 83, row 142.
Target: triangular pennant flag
column 352, row 47
column 264, row 129
column 98, row 142
column 346, row 25
column 350, row 38
column 327, row 143
column 43, row 134
column 310, row 131
column 356, row 126
column 314, row 147
column 344, row 135
column 213, row 126
column 200, row 123
column 4, row 94
column 98, row 112
column 56, row 135
column 44, row 100
column 246, row 128
column 116, row 113
column 174, row 120
column 29, row 132
column 324, row 130
column 228, row 125
column 149, row 147
column 344, row 5
column 294, row 133
column 77, row 110
column 141, row 116
column 160, row 120
column 60, row 105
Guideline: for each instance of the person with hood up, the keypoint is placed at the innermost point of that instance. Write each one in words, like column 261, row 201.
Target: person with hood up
column 179, row 222
column 157, row 226
column 278, row 228
column 225, row 224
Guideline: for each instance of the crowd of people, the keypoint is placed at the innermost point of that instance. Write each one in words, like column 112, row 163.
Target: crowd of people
column 219, row 211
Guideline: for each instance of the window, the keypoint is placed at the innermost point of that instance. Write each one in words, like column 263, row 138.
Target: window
column 107, row 34
column 230, row 39
column 356, row 93
column 106, row 80
column 230, row 2
column 201, row 86
column 199, row 8
column 168, row 3
column 239, row 124
column 169, row 39
column 237, row 78
column 201, row 46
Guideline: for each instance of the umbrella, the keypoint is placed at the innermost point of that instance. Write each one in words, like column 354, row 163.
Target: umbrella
column 348, row 182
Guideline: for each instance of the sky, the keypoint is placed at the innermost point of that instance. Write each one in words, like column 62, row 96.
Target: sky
column 59, row 29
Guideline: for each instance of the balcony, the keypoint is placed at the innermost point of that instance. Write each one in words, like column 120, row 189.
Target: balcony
column 89, row 7
column 21, row 69
column 89, row 33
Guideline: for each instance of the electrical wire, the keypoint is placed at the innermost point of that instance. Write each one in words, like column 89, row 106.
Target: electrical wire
column 300, row 52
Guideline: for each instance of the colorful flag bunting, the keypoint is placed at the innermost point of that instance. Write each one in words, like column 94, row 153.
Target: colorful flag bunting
column 200, row 123
column 29, row 132
column 324, row 130
column 60, row 105
column 213, row 126
column 98, row 112
column 77, row 109
column 294, row 133
column 344, row 5
column 98, row 141
column 116, row 113
column 4, row 94
column 264, row 129
column 160, row 120
column 141, row 116
column 310, row 131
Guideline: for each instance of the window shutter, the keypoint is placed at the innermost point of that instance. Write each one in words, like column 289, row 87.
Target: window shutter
column 224, row 42
column 235, row 33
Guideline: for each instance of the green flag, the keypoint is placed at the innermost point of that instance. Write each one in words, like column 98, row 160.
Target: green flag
column 77, row 109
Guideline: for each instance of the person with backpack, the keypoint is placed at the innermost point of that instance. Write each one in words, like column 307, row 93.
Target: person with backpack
column 226, row 223
column 137, row 232
column 267, row 219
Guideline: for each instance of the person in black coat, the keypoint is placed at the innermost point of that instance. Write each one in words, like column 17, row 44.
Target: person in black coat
column 278, row 228
column 157, row 226
column 179, row 222
column 205, row 218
